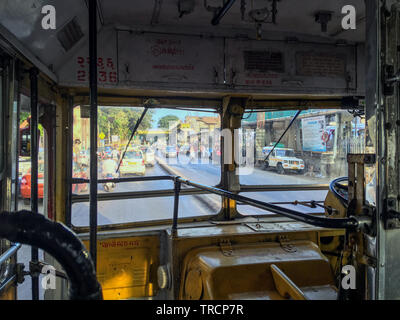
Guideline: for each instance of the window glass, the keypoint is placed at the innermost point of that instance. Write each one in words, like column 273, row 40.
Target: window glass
column 313, row 151
column 1, row 128
column 168, row 142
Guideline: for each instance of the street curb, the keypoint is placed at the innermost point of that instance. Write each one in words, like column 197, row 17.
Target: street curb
column 210, row 203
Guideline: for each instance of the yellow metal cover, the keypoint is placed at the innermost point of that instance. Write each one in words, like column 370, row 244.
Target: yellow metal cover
column 246, row 273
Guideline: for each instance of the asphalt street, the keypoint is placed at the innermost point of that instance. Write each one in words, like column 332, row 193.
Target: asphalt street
column 131, row 210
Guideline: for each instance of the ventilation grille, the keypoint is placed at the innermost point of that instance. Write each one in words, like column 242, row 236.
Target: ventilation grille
column 263, row 61
column 70, row 34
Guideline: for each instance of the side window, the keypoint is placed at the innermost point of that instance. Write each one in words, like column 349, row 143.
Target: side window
column 1, row 127
column 313, row 150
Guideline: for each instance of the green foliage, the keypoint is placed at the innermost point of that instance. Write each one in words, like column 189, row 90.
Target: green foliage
column 25, row 115
column 121, row 121
column 164, row 121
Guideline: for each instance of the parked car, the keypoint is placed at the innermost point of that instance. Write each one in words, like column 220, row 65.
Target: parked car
column 25, row 185
column 133, row 163
column 283, row 159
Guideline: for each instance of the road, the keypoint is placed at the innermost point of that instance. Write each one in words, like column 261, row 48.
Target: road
column 131, row 210
column 209, row 174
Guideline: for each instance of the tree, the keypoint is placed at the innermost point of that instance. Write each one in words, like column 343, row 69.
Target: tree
column 24, row 116
column 121, row 120
column 164, row 122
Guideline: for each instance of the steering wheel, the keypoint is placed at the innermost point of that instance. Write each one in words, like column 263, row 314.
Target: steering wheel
column 339, row 190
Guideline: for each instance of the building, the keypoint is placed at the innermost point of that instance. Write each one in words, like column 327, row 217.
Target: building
column 198, row 124
column 321, row 137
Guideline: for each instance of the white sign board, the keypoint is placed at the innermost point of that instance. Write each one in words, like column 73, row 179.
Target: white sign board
column 314, row 134
column 148, row 58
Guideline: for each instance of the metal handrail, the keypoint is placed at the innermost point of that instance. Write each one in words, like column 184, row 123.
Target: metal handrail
column 337, row 223
column 9, row 253
column 8, row 279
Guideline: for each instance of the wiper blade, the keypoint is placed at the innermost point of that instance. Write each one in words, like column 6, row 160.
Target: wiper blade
column 280, row 138
column 132, row 134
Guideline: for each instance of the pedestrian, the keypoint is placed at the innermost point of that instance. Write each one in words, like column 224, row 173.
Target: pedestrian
column 192, row 154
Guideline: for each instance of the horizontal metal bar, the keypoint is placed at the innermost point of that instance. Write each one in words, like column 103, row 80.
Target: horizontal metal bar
column 137, row 194
column 339, row 223
column 243, row 187
column 287, row 187
column 10, row 252
column 117, row 180
column 77, row 198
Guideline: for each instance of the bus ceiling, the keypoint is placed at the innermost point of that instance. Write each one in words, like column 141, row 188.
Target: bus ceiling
column 262, row 50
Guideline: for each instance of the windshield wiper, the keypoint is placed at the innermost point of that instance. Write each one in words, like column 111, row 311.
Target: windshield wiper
column 133, row 133
column 290, row 124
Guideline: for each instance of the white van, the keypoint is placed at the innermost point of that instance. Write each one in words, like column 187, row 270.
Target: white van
column 283, row 159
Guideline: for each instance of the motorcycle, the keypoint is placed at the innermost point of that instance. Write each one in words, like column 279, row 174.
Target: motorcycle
column 109, row 186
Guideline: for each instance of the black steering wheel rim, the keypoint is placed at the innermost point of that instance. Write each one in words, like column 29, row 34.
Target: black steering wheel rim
column 335, row 185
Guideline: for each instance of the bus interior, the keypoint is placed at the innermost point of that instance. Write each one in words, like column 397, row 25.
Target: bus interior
column 199, row 149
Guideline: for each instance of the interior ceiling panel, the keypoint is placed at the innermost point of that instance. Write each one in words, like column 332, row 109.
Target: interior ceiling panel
column 291, row 17
column 23, row 19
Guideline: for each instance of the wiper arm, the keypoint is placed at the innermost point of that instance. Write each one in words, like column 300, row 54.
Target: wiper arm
column 280, row 138
column 133, row 133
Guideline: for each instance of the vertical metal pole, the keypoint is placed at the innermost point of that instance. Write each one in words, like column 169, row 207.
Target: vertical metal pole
column 69, row 160
column 93, row 127
column 176, row 206
column 33, row 76
column 17, row 90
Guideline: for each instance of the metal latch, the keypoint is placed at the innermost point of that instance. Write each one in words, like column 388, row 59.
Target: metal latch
column 286, row 244
column 37, row 267
column 226, row 248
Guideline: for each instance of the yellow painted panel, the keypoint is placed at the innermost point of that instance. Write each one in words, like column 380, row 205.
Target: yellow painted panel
column 125, row 266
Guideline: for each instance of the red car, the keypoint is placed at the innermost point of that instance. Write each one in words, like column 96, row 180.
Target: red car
column 25, row 188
